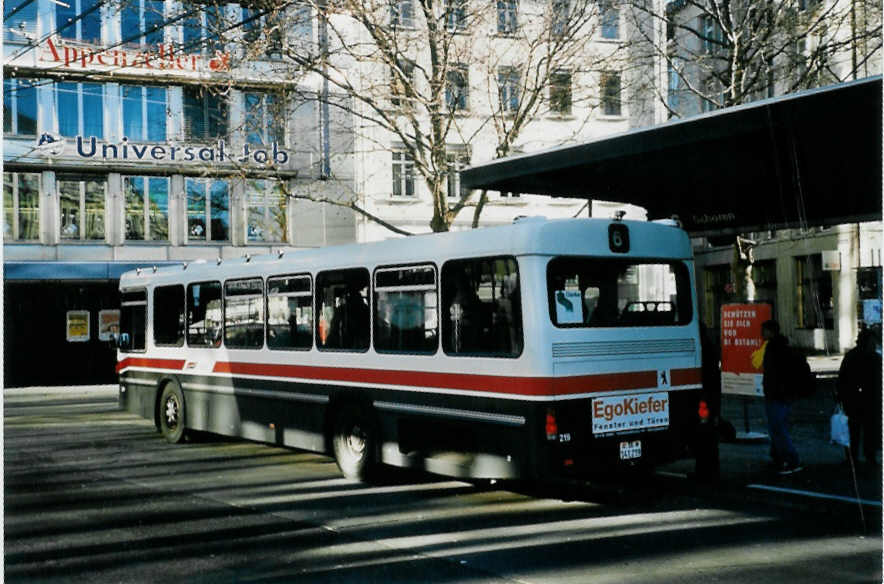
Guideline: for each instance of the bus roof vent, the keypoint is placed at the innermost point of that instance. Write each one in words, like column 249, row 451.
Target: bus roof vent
column 673, row 221
column 528, row 218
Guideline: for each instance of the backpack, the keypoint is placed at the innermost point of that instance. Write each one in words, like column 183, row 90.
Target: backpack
column 803, row 380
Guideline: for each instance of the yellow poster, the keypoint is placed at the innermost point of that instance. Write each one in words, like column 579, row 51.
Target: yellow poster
column 77, row 326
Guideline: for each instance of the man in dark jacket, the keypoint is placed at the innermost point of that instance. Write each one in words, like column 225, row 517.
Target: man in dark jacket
column 777, row 397
column 859, row 391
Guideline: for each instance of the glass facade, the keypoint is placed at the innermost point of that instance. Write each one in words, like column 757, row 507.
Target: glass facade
column 142, row 22
column 79, row 20
column 80, row 108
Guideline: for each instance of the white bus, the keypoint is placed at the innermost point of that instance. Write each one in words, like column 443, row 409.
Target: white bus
column 539, row 350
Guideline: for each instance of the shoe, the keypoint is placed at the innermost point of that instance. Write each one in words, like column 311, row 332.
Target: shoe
column 788, row 469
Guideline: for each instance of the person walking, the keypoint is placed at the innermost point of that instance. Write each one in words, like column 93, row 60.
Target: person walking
column 778, row 394
column 859, row 391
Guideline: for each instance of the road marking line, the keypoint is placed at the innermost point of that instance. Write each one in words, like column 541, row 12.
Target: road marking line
column 815, row 495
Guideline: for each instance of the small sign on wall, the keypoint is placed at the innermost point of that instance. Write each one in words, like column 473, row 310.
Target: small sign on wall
column 77, row 326
column 108, row 323
column 832, row 260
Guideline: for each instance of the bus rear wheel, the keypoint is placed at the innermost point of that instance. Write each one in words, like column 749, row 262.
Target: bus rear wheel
column 171, row 413
column 354, row 441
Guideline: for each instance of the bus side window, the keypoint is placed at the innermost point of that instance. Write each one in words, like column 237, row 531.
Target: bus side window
column 481, row 307
column 244, row 313
column 342, row 308
column 405, row 318
column 168, row 315
column 289, row 312
column 204, row 319
column 133, row 320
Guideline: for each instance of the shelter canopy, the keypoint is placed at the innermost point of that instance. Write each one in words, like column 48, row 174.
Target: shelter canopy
column 804, row 159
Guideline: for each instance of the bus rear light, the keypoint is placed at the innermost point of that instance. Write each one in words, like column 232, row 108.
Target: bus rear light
column 568, row 462
column 703, row 410
column 552, row 427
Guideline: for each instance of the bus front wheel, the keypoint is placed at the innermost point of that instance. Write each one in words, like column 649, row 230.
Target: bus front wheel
column 171, row 413
column 354, row 441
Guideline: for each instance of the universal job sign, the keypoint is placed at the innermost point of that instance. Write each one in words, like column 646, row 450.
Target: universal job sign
column 216, row 153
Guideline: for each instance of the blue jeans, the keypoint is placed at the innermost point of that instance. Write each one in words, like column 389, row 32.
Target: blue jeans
column 781, row 447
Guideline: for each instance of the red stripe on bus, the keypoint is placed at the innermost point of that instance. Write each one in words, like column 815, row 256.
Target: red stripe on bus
column 150, row 363
column 533, row 386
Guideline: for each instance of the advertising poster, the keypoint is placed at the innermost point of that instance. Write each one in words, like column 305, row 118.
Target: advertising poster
column 77, row 326
column 740, row 337
column 108, row 323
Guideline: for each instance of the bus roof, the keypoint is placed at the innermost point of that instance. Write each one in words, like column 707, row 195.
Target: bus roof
column 530, row 236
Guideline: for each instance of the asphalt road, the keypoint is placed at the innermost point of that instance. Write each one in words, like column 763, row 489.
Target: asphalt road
column 93, row 494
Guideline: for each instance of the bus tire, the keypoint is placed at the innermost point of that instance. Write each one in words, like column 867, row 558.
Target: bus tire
column 354, row 442
column 171, row 413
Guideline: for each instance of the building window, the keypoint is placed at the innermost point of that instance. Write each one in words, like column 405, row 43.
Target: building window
column 815, row 302
column 713, row 36
column 455, row 15
column 82, row 204
column 457, row 161
column 208, row 209
column 481, row 312
column 21, row 206
column 403, row 174
column 20, row 21
column 20, row 106
column 609, row 18
column 457, row 88
column 202, row 30
column 675, row 86
column 264, row 33
column 144, row 113
column 712, row 93
column 508, row 82
column 402, row 82
column 560, row 15
column 147, row 208
column 402, row 13
column 80, row 108
column 79, row 20
column 289, row 312
column 265, row 118
column 266, row 216
column 560, row 92
column 507, row 16
column 610, row 86
column 205, row 114
column 142, row 22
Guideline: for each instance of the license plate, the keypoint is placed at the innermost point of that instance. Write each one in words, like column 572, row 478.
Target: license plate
column 630, row 450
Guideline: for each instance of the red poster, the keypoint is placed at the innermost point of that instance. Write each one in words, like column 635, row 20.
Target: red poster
column 741, row 335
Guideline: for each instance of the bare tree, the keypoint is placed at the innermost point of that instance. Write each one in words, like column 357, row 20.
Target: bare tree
column 728, row 52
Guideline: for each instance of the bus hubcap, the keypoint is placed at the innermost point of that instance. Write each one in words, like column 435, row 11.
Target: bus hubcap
column 172, row 412
column 356, row 440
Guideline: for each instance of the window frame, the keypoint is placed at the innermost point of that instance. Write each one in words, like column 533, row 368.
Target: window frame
column 81, row 92
column 403, row 175
column 146, row 200
column 375, row 288
column 15, row 219
column 130, row 303
column 145, row 102
column 609, row 20
column 297, row 294
column 272, row 106
column 146, row 26
column 76, row 7
column 319, row 298
column 457, row 88
column 266, row 194
column 82, row 210
column 209, row 104
column 402, row 19
column 446, row 299
column 678, row 268
column 456, row 12
column 561, row 96
column 182, row 336
column 213, row 343
column 606, row 94
column 262, row 315
column 12, row 102
column 507, row 17
column 509, row 88
column 208, row 217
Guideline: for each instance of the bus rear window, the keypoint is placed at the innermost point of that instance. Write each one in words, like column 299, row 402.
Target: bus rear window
column 605, row 292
